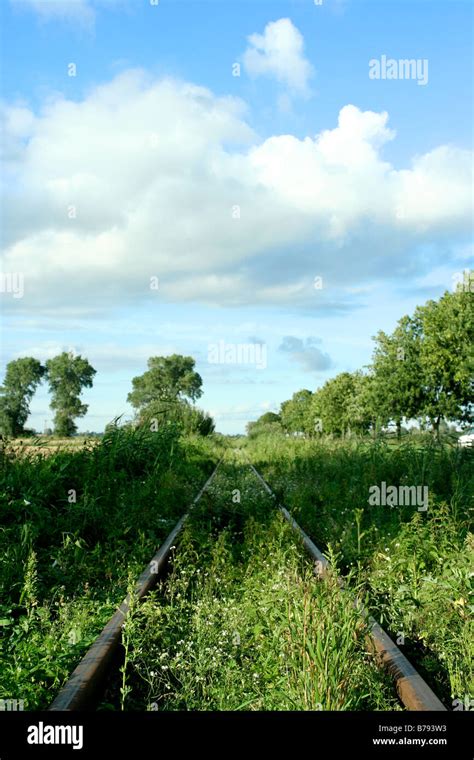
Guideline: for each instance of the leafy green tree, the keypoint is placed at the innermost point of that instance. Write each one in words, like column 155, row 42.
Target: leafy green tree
column 360, row 403
column 397, row 387
column 168, row 378
column 269, row 418
column 179, row 412
column 295, row 413
column 336, row 408
column 22, row 378
column 425, row 368
column 201, row 422
column 447, row 357
column 67, row 375
column 266, row 424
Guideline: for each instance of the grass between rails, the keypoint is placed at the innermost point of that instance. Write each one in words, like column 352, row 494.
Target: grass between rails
column 232, row 638
column 74, row 527
column 416, row 568
column 242, row 623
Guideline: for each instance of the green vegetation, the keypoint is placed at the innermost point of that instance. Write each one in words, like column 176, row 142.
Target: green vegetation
column 75, row 526
column 414, row 566
column 161, row 395
column 67, row 376
column 22, row 377
column 167, row 378
column 423, row 371
column 243, row 624
column 268, row 423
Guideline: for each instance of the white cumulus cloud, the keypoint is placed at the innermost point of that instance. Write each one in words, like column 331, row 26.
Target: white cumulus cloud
column 279, row 52
column 149, row 177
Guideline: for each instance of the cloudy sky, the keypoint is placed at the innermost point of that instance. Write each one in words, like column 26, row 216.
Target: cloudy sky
column 181, row 176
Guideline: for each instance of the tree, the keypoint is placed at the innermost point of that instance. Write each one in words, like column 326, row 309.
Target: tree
column 179, row 412
column 168, row 378
column 201, row 422
column 269, row 418
column 447, row 357
column 266, row 424
column 360, row 409
column 335, row 407
column 425, row 368
column 22, row 378
column 162, row 394
column 295, row 413
column 397, row 387
column 67, row 375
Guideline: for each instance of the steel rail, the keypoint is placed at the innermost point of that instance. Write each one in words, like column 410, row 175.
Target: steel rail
column 83, row 684
column 412, row 690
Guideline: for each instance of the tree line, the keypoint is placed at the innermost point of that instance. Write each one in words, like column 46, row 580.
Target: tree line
column 161, row 395
column 423, row 371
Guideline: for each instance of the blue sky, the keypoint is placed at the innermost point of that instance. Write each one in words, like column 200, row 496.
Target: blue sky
column 154, row 160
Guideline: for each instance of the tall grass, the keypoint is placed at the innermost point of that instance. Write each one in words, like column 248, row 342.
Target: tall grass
column 416, row 567
column 73, row 526
column 243, row 624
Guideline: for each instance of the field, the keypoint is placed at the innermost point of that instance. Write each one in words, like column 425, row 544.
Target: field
column 240, row 622
column 50, row 444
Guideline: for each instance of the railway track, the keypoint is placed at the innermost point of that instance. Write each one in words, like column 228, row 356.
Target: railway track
column 84, row 686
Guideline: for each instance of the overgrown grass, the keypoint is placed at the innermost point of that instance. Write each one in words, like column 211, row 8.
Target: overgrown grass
column 242, row 623
column 416, row 567
column 73, row 526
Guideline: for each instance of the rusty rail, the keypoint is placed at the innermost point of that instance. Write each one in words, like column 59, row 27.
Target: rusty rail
column 412, row 690
column 82, row 686
column 84, row 682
